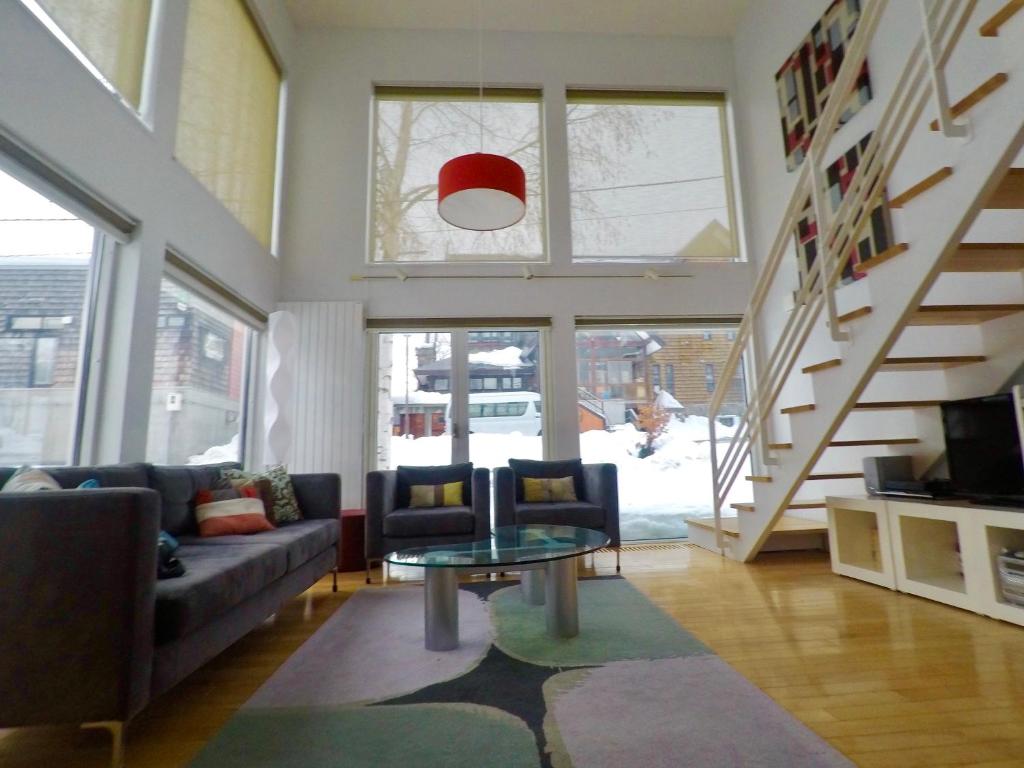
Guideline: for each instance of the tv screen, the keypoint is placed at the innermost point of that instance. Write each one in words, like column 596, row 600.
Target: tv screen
column 983, row 447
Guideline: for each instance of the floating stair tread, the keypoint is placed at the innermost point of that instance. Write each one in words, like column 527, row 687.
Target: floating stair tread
column 799, row 408
column 854, row 314
column 1010, row 192
column 888, row 254
column 757, row 478
column 987, row 257
column 931, row 363
column 780, row 446
column 962, row 314
column 823, row 366
column 975, row 97
column 887, row 404
column 853, row 443
column 748, row 506
column 921, row 187
column 835, row 475
column 991, row 27
column 785, row 524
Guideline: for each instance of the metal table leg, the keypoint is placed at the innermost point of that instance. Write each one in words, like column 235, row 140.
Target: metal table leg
column 531, row 583
column 561, row 609
column 441, row 609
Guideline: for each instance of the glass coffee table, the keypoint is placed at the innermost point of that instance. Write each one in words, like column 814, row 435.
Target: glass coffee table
column 545, row 555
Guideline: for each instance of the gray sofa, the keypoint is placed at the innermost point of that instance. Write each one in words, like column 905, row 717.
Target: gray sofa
column 88, row 632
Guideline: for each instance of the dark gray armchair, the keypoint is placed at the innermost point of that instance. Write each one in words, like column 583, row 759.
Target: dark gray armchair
column 597, row 493
column 392, row 525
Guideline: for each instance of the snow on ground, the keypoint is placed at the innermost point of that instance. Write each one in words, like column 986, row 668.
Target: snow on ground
column 655, row 493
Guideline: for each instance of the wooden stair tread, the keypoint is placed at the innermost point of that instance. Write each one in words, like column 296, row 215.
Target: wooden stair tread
column 987, row 257
column 748, row 506
column 835, row 475
column 798, row 408
column 991, row 27
column 757, row 478
column 785, row 524
column 889, row 253
column 887, row 404
column 921, row 187
column 853, row 443
column 854, row 314
column 1010, row 192
column 931, row 363
column 975, row 97
column 822, row 366
column 962, row 314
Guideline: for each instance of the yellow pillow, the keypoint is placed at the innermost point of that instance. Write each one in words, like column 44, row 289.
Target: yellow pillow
column 539, row 489
column 447, row 495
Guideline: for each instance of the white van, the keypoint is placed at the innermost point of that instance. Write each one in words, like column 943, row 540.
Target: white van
column 503, row 412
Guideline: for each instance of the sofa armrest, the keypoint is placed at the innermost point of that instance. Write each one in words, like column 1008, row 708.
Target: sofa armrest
column 381, row 487
column 482, row 502
column 77, row 596
column 319, row 495
column 504, row 496
column 601, row 482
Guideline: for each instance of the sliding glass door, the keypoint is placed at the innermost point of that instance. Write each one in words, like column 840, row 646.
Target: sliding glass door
column 643, row 396
column 465, row 394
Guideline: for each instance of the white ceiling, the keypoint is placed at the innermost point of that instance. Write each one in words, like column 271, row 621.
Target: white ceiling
column 691, row 18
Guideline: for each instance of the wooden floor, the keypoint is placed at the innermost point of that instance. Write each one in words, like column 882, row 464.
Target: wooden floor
column 888, row 679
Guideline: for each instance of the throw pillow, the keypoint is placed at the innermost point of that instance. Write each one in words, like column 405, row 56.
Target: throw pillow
column 264, row 491
column 444, row 495
column 28, row 480
column 286, row 506
column 548, row 489
column 524, row 468
column 220, row 515
column 91, row 483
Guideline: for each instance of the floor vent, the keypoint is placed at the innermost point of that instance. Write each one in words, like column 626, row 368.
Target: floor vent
column 652, row 546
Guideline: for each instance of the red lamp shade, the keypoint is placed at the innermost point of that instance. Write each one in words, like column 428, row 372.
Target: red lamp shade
column 481, row 192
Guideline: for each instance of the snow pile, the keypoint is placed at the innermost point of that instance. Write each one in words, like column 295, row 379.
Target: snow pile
column 217, row 454
column 655, row 493
column 509, row 357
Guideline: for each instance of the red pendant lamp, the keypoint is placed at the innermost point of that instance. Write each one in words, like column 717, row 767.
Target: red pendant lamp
column 480, row 191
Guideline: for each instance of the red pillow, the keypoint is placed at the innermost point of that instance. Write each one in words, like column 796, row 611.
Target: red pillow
column 223, row 513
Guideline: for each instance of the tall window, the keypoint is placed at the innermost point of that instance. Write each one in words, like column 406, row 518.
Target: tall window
column 658, row 438
column 649, row 177
column 416, row 131
column 228, row 113
column 46, row 259
column 197, row 412
column 110, row 35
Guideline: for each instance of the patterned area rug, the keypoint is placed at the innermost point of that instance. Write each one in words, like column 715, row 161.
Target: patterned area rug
column 633, row 689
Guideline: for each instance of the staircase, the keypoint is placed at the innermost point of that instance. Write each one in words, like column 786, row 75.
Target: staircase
column 852, row 371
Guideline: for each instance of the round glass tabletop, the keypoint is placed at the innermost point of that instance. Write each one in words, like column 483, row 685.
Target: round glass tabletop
column 508, row 546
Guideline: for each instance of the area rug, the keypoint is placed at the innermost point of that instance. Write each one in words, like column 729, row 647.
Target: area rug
column 633, row 689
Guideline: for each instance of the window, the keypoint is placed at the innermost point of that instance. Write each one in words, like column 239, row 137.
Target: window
column 416, row 131
column 649, row 177
column 109, row 36
column 46, row 269
column 670, row 379
column 709, row 376
column 228, row 111
column 200, row 380
column 490, row 382
column 656, row 375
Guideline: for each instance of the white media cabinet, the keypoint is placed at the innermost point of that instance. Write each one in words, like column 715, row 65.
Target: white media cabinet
column 942, row 550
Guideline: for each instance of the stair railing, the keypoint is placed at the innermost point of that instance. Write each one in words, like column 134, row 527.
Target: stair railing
column 836, row 234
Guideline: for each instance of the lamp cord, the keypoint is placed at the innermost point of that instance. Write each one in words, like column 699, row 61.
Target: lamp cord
column 480, row 67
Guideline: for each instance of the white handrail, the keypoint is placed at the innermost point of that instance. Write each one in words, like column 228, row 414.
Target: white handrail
column 836, row 233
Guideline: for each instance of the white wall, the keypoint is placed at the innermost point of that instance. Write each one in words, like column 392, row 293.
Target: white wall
column 325, row 225
column 52, row 104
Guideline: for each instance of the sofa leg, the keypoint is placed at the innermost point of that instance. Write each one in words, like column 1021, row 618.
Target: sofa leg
column 618, row 568
column 334, row 579
column 367, row 570
column 116, row 730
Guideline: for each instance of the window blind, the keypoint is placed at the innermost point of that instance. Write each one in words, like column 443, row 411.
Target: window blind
column 663, row 98
column 112, row 34
column 228, row 112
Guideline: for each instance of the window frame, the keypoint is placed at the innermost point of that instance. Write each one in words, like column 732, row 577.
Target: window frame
column 462, row 93
column 653, row 96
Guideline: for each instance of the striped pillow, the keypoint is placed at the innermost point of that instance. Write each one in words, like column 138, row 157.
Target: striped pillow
column 220, row 516
column 446, row 495
column 548, row 489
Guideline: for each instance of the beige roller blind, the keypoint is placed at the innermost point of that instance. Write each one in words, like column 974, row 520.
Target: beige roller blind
column 112, row 35
column 228, row 113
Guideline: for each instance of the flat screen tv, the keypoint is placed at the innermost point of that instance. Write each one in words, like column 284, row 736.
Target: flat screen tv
column 983, row 448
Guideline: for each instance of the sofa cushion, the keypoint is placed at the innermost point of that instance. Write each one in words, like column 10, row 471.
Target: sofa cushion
column 216, row 579
column 30, row 480
column 548, row 469
column 577, row 513
column 449, row 473
column 439, row 521
column 302, row 540
column 178, row 487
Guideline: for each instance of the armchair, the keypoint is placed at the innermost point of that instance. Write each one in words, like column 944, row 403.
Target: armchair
column 392, row 524
column 597, row 493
